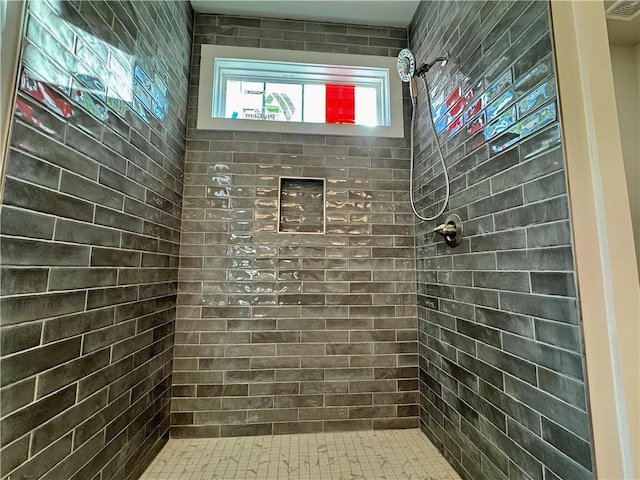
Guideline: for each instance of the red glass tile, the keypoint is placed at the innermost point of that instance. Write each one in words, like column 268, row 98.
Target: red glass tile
column 455, row 125
column 457, row 109
column 454, row 97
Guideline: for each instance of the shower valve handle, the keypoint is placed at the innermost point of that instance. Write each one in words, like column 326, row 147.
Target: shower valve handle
column 451, row 230
column 446, row 230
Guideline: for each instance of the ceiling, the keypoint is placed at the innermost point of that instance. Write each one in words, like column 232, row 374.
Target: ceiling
column 394, row 13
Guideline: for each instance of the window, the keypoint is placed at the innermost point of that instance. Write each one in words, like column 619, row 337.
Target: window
column 282, row 91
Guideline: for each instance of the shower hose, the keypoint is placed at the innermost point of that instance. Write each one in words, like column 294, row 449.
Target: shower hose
column 439, row 148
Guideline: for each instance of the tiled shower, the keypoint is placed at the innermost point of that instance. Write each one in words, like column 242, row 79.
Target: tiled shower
column 147, row 292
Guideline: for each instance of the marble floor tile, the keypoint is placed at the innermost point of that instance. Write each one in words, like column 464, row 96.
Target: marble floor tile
column 382, row 454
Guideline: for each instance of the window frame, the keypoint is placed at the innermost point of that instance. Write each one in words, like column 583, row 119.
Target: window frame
column 206, row 121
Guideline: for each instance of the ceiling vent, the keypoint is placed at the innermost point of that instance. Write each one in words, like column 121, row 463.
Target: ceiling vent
column 623, row 10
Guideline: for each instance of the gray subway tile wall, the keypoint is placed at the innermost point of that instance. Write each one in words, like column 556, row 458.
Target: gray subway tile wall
column 138, row 303
column 90, row 228
column 502, row 383
column 289, row 332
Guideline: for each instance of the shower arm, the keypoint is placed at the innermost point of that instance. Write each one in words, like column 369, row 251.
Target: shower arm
column 425, row 67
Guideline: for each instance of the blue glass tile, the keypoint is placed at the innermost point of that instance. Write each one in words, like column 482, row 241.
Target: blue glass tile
column 436, row 100
column 93, row 84
column 142, row 78
column 503, row 122
column 441, row 125
column 537, row 97
column 496, row 107
column 537, row 120
column 529, row 125
column 499, row 85
column 439, row 112
column 505, row 140
column 535, row 76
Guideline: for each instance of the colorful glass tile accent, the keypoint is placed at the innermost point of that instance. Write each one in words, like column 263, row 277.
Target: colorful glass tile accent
column 474, row 109
column 455, row 125
column 117, row 104
column 529, row 125
column 454, row 97
column 496, row 107
column 499, row 85
column 456, row 110
column 142, row 95
column 149, row 94
column 82, row 97
column 535, row 76
column 537, row 97
column 436, row 101
column 45, row 95
column 503, row 122
column 441, row 125
column 473, row 92
column 476, row 125
column 28, row 113
column 439, row 112
column 95, row 86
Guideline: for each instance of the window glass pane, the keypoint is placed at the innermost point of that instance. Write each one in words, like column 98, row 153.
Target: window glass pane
column 366, row 106
column 340, row 105
column 244, row 99
column 283, row 102
column 314, row 104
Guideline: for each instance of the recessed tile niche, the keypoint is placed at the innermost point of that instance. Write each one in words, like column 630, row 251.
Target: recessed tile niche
column 301, row 205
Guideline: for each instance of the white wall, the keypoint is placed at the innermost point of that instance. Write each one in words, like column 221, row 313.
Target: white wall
column 608, row 280
column 625, row 63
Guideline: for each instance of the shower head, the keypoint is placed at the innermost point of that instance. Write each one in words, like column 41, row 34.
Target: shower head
column 425, row 67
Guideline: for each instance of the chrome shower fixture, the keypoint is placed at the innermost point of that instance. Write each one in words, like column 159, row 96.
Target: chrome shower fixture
column 407, row 71
column 425, row 67
column 451, row 230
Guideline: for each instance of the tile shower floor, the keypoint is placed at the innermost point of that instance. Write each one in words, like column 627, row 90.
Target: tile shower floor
column 381, row 454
